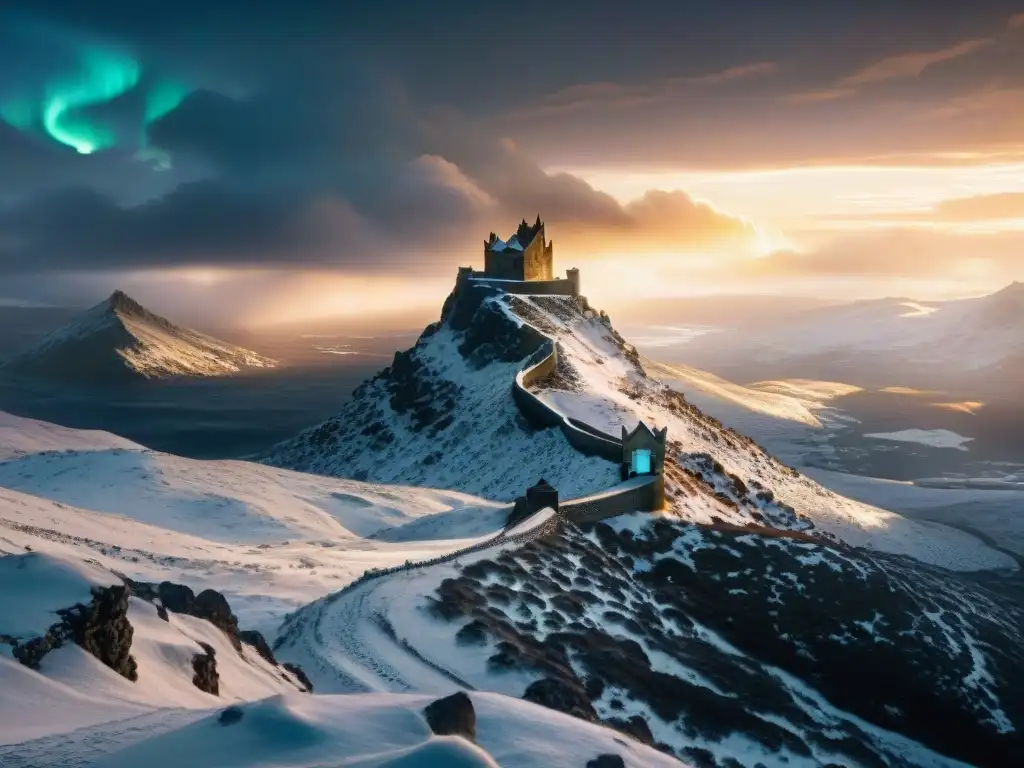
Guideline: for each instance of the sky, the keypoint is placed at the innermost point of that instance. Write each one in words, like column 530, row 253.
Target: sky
column 268, row 161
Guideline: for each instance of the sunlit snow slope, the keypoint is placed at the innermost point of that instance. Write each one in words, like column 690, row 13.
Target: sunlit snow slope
column 119, row 340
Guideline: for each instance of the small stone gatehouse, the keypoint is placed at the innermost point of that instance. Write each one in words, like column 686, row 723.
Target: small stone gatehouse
column 643, row 450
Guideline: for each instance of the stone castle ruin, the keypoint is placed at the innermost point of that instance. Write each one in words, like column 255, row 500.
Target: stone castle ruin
column 523, row 264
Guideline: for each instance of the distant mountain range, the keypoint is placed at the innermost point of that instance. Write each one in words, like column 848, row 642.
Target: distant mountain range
column 119, row 339
column 966, row 341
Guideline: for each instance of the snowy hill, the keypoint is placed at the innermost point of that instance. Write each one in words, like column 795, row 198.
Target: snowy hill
column 267, row 538
column 971, row 337
column 119, row 339
column 97, row 655
column 718, row 645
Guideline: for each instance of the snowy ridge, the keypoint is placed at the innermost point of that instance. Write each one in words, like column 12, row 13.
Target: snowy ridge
column 512, row 618
column 974, row 334
column 119, row 338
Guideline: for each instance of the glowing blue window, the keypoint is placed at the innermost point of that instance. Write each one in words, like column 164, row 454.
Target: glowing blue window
column 642, row 462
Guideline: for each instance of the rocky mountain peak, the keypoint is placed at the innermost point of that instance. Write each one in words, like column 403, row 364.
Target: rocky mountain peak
column 119, row 301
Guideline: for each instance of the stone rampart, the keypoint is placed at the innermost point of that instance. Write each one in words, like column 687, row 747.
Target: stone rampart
column 581, row 436
column 638, row 494
column 557, row 287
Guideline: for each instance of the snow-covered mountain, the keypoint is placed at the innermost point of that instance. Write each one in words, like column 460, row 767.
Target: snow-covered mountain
column 974, row 337
column 761, row 619
column 715, row 644
column 119, row 339
column 442, row 416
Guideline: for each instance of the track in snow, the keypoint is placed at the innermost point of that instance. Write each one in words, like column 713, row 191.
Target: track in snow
column 80, row 748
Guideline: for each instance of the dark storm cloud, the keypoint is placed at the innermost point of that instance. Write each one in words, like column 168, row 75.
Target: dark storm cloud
column 369, row 135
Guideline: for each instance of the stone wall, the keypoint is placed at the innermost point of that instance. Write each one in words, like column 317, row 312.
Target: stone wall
column 589, row 441
column 637, row 495
column 581, row 436
column 536, row 412
column 558, row 287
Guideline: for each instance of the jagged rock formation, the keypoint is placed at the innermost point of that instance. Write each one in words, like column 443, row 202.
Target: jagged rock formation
column 259, row 643
column 204, row 665
column 213, row 607
column 208, row 604
column 119, row 340
column 299, row 674
column 452, row 716
column 100, row 627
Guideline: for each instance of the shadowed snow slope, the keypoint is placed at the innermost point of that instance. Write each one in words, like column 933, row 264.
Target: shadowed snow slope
column 119, row 339
column 381, row 730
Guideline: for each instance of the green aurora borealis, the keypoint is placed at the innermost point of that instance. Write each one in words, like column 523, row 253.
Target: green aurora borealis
column 61, row 108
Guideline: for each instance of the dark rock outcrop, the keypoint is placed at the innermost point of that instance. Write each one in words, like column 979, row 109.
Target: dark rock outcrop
column 259, row 643
column 208, row 604
column 296, row 670
column 100, row 627
column 204, row 666
column 230, row 716
column 213, row 607
column 635, row 726
column 452, row 716
column 562, row 696
column 493, row 337
column 606, row 761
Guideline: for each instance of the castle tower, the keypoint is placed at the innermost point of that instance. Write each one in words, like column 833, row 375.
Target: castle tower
column 525, row 256
column 573, row 276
